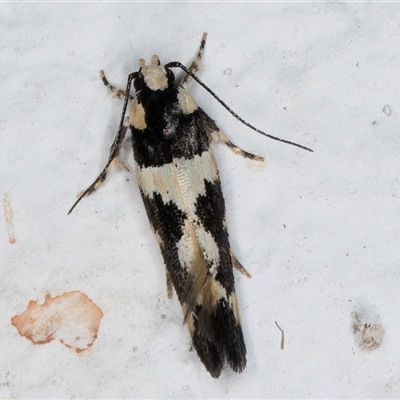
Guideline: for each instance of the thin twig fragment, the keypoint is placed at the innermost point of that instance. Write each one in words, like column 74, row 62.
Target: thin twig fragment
column 282, row 337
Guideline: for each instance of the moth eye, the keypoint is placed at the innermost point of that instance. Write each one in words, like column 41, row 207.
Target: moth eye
column 138, row 83
column 170, row 75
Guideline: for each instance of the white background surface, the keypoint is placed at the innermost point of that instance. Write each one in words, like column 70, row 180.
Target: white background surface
column 318, row 231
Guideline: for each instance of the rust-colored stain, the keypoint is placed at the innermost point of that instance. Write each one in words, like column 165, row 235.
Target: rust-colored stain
column 8, row 214
column 72, row 318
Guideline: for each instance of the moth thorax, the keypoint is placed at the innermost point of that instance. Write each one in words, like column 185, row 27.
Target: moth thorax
column 154, row 74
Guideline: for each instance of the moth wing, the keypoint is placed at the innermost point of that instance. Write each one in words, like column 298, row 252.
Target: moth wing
column 209, row 299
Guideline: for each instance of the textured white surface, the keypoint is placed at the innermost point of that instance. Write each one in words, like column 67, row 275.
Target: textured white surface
column 319, row 232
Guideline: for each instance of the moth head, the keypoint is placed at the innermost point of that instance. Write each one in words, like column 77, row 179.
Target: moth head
column 155, row 76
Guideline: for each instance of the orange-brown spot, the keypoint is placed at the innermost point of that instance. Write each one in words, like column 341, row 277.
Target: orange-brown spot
column 72, row 318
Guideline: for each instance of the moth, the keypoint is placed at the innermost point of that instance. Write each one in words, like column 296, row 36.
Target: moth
column 181, row 191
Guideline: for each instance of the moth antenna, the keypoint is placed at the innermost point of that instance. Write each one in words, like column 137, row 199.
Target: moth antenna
column 114, row 146
column 177, row 64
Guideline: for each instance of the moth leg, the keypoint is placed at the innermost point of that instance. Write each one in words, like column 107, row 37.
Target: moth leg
column 169, row 285
column 196, row 63
column 220, row 137
column 239, row 266
column 117, row 92
column 113, row 159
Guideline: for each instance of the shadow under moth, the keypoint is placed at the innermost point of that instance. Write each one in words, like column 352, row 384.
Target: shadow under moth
column 181, row 191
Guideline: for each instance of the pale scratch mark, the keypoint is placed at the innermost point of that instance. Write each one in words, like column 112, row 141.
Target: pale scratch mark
column 282, row 337
column 8, row 214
